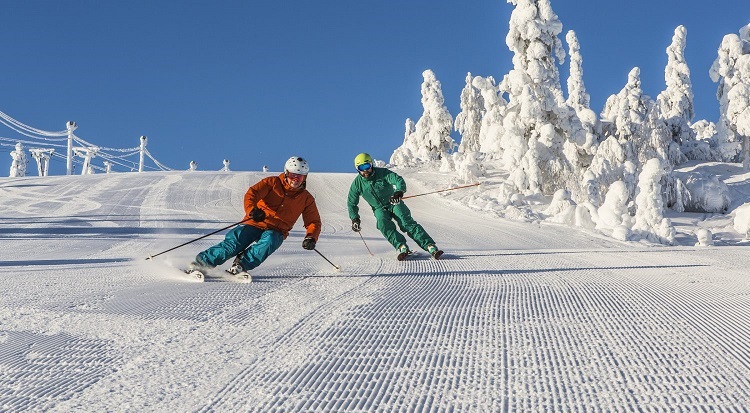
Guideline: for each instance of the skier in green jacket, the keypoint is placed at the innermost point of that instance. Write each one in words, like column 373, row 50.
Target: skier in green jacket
column 383, row 190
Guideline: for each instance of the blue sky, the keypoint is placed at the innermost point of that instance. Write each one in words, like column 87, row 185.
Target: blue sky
column 256, row 82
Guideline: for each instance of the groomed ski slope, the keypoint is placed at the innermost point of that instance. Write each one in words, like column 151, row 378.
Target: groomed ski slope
column 517, row 317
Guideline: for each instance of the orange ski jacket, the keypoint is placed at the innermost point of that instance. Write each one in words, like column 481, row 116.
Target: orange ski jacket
column 283, row 205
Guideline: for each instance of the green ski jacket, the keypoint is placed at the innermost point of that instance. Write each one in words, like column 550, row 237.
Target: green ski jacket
column 376, row 190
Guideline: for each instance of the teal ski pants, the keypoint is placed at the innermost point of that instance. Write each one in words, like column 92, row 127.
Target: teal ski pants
column 401, row 214
column 240, row 238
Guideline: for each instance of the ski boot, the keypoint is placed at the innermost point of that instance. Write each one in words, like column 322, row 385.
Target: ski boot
column 237, row 270
column 435, row 251
column 197, row 270
column 403, row 252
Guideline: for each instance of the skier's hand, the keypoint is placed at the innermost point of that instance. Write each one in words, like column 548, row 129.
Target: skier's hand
column 308, row 243
column 356, row 225
column 257, row 214
column 396, row 197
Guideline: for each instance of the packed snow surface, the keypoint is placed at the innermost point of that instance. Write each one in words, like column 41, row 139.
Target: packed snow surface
column 519, row 316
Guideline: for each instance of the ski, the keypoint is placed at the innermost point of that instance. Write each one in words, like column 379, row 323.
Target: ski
column 195, row 274
column 201, row 276
column 242, row 276
column 410, row 254
column 404, row 255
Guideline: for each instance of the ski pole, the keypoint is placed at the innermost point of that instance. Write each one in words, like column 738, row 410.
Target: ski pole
column 442, row 190
column 363, row 240
column 199, row 238
column 329, row 261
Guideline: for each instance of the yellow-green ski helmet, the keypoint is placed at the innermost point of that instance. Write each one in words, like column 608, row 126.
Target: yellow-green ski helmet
column 363, row 159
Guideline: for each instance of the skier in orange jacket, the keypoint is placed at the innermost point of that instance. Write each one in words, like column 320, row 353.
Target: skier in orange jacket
column 272, row 207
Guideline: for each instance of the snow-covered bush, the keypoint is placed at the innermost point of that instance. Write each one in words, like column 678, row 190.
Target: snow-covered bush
column 742, row 220
column 706, row 193
column 561, row 202
column 468, row 166
column 614, row 210
column 649, row 216
column 590, row 188
column 705, row 237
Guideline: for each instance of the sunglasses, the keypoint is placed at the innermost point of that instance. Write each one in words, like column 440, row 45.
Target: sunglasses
column 364, row 167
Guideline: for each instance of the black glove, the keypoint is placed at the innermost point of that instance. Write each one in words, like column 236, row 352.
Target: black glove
column 356, row 225
column 257, row 214
column 308, row 243
column 396, row 197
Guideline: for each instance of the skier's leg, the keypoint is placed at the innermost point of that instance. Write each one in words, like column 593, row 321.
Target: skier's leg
column 415, row 231
column 236, row 240
column 269, row 242
column 384, row 222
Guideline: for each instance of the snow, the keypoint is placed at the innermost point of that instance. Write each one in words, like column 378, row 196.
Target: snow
column 742, row 219
column 521, row 315
column 599, row 264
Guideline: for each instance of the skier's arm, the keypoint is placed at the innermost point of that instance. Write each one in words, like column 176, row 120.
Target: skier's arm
column 255, row 194
column 352, row 200
column 311, row 219
column 396, row 180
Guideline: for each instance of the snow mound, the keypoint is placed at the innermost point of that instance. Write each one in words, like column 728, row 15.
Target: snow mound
column 742, row 220
column 707, row 194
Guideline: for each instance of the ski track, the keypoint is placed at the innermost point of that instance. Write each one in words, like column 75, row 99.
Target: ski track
column 517, row 317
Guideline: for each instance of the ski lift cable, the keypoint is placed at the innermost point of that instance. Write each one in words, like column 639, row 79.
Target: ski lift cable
column 103, row 154
column 30, row 142
column 8, row 121
column 86, row 143
column 29, row 134
column 159, row 164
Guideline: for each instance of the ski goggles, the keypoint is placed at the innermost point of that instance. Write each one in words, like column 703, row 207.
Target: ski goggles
column 364, row 167
column 295, row 177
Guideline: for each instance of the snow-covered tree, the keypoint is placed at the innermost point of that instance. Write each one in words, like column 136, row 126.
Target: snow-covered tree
column 469, row 121
column 577, row 95
column 731, row 70
column 627, row 111
column 676, row 101
column 403, row 155
column 649, row 216
column 578, row 98
column 491, row 129
column 658, row 140
column 613, row 215
column 701, row 148
column 538, row 125
column 431, row 139
column 19, row 162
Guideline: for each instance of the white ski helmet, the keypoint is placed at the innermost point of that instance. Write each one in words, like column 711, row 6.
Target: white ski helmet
column 297, row 165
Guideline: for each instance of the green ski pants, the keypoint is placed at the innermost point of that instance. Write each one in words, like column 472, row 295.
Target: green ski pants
column 401, row 214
